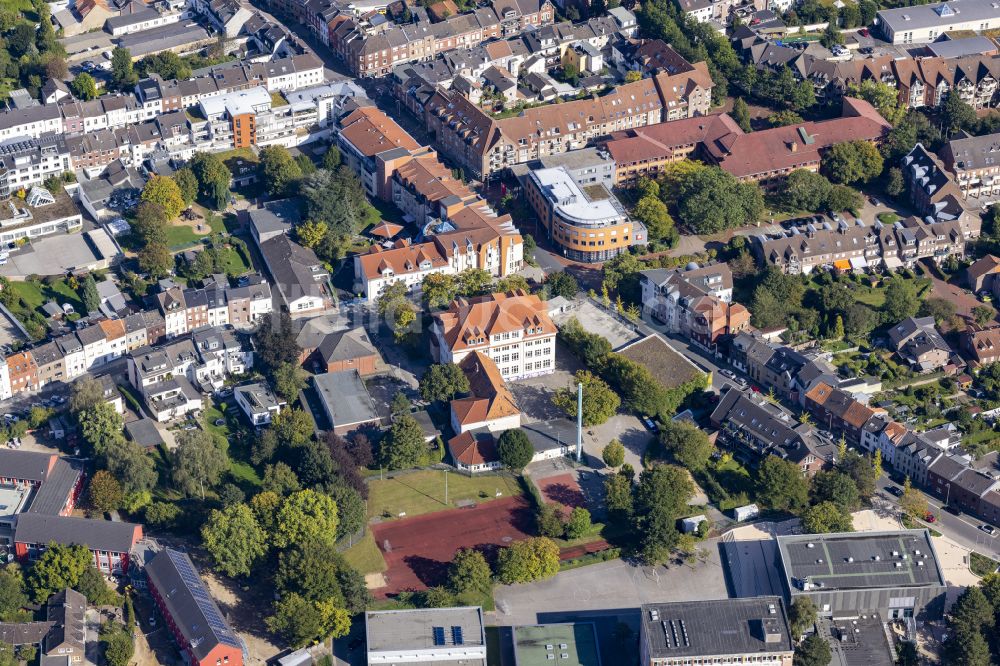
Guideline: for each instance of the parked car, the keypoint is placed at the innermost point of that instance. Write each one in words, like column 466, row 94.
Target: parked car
column 650, row 424
column 952, row 509
column 895, row 490
column 930, row 517
column 989, row 529
column 728, row 374
column 220, row 422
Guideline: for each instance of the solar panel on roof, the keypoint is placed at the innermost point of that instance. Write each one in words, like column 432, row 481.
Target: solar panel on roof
column 438, row 635
column 456, row 636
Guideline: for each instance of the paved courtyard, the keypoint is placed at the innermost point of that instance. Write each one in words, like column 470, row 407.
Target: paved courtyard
column 609, row 586
column 593, row 318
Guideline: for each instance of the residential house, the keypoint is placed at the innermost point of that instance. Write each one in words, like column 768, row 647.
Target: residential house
column 258, row 403
column 918, row 342
column 489, row 404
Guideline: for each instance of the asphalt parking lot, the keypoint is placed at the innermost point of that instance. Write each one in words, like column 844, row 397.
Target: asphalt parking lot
column 611, row 585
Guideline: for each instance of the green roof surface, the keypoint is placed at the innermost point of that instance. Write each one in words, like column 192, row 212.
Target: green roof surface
column 578, row 641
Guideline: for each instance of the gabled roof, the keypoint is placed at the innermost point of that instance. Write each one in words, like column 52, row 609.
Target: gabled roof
column 189, row 604
column 473, row 447
column 489, row 397
column 484, row 316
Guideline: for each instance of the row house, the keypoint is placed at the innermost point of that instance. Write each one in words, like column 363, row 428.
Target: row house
column 952, row 479
column 921, row 81
column 484, row 146
column 856, row 245
column 753, row 428
column 975, row 163
column 935, row 194
column 109, row 542
column 695, row 302
column 215, row 304
column 513, row 329
column 373, row 46
column 838, row 411
column 982, row 346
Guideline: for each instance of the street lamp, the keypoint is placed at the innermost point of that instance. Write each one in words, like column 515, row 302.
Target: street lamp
column 947, row 497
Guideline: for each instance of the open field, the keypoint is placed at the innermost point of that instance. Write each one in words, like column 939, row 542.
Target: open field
column 365, row 555
column 418, row 550
column 423, row 492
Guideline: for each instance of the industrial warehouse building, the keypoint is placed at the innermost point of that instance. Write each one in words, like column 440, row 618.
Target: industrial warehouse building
column 894, row 574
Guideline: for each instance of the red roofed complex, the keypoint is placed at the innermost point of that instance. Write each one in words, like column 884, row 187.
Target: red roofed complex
column 766, row 156
column 489, row 404
column 513, row 329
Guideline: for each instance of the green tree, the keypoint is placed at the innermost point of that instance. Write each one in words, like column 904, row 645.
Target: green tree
column 894, row 184
column 287, row 380
column 957, row 115
column 278, row 170
column 88, row 294
column 442, row 382
column 299, row 621
column 686, row 443
column 805, row 190
column 57, row 568
column 306, row 515
column 101, row 427
column 474, row 282
column 549, row 522
column 404, row 447
column 162, row 514
column 983, row 314
column 653, row 213
column 132, row 466
column 515, row 449
column 317, row 572
column 852, row 162
column 562, row 284
column 741, row 114
column 600, row 402
column 352, row 511
column 813, row 651
column 85, row 393
column 618, row 496
column 826, row 517
column 836, row 487
column 579, row 523
column 164, row 192
column 613, row 454
column 831, row 35
column 971, row 617
column 150, row 225
column 438, row 289
column 123, row 75
column 528, row 560
column 234, row 539
column 117, row 645
column 884, row 97
column 198, row 463
column 711, row 200
column 469, row 572
column 331, row 158
column 660, row 499
column 274, row 342
column 156, row 260
column 311, row 234
column 940, row 308
column 912, row 501
column 213, row 179
column 84, row 87
column 781, row 485
column 802, row 616
column 104, row 492
column 900, row 300
column 12, row 595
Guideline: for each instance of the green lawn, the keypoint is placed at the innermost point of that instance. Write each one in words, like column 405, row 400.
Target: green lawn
column 875, row 296
column 232, row 262
column 34, row 294
column 180, row 237
column 982, row 565
column 365, row 555
column 423, row 492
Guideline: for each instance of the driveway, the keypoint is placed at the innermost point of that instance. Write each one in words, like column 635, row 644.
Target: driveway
column 963, row 301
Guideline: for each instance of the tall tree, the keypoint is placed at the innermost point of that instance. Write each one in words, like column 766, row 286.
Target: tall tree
column 164, row 192
column 84, row 87
column 442, row 382
column 600, row 402
column 123, row 75
column 688, row 444
column 404, row 447
column 213, row 179
column 515, row 449
column 469, row 572
column 306, row 516
column 187, row 183
column 529, row 560
column 88, row 294
column 198, row 462
column 234, row 539
column 781, row 485
column 278, row 170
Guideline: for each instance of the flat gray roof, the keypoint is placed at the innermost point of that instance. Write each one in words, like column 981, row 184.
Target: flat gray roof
column 570, row 644
column 345, row 397
column 859, row 641
column 715, row 628
column 919, row 17
column 850, row 561
column 414, row 629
